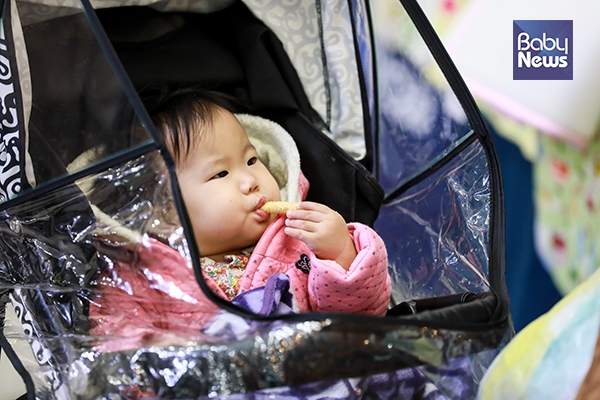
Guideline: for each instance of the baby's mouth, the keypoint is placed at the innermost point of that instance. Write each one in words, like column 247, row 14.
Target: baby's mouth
column 261, row 202
column 262, row 216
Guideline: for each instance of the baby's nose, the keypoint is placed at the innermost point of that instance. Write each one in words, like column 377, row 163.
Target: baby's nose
column 249, row 184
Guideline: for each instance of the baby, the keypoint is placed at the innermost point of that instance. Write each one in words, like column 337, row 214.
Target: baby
column 224, row 181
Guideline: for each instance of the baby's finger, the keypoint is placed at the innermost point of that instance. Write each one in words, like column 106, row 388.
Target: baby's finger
column 305, row 215
column 307, row 237
column 312, row 206
column 293, row 232
column 301, row 224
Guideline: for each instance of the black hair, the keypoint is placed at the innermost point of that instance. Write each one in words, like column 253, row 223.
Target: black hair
column 181, row 115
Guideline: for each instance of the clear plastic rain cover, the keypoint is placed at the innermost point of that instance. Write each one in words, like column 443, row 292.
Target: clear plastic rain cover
column 102, row 291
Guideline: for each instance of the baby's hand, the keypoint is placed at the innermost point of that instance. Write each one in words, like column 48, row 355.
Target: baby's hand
column 323, row 230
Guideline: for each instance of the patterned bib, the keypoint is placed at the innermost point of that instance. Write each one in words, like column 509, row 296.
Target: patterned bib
column 227, row 274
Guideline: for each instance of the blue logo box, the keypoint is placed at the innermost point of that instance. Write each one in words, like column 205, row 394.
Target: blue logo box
column 542, row 50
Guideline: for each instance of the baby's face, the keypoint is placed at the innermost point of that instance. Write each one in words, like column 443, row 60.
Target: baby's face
column 224, row 184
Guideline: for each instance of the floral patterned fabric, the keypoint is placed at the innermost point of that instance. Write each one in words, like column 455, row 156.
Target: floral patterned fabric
column 227, row 274
column 567, row 199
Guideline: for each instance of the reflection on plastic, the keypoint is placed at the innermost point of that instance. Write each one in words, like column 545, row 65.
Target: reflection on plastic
column 437, row 232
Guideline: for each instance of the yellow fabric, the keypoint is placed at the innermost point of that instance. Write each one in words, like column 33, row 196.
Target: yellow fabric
column 509, row 375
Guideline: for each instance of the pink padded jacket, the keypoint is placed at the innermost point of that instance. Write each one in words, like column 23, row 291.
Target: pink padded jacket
column 151, row 296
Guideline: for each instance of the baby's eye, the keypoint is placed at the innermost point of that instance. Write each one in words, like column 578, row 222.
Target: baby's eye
column 252, row 160
column 221, row 174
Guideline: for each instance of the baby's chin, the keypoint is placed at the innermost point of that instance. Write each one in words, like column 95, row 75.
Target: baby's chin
column 236, row 248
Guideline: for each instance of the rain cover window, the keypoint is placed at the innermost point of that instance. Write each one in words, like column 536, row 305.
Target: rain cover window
column 387, row 133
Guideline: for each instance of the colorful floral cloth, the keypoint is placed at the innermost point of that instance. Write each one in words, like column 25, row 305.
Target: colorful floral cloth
column 227, row 274
column 567, row 200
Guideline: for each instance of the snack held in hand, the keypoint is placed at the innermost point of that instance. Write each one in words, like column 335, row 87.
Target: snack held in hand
column 278, row 207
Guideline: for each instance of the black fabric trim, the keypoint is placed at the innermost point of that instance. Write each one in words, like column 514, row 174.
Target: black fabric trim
column 421, row 176
column 497, row 244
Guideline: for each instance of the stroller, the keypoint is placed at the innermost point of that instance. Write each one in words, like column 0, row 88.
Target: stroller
column 386, row 138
